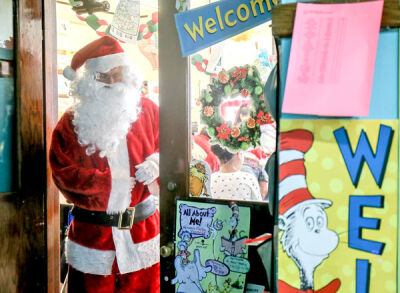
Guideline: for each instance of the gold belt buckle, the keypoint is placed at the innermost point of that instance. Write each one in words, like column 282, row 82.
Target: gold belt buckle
column 131, row 218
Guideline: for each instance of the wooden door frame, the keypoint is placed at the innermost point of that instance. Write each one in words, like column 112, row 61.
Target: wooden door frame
column 36, row 200
column 174, row 128
column 51, row 118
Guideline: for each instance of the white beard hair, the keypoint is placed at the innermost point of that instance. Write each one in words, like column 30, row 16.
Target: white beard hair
column 103, row 116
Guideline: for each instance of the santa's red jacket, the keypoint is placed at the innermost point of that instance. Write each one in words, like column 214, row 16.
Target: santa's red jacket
column 103, row 184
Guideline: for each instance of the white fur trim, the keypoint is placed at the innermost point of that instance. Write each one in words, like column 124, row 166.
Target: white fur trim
column 132, row 257
column 149, row 170
column 69, row 73
column 121, row 181
column 290, row 155
column 89, row 260
column 290, row 184
column 107, row 62
column 251, row 156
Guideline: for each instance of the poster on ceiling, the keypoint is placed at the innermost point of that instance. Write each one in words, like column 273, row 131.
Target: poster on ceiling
column 338, row 186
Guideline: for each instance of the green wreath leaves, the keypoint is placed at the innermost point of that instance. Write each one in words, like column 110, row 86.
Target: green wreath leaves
column 237, row 81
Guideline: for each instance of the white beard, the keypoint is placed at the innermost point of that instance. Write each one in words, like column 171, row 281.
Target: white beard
column 103, row 113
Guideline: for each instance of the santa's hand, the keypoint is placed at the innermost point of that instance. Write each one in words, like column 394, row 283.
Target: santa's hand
column 147, row 172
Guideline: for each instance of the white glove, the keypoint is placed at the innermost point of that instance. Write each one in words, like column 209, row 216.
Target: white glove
column 148, row 171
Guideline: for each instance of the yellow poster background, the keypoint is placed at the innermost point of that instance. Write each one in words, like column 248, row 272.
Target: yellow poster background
column 327, row 177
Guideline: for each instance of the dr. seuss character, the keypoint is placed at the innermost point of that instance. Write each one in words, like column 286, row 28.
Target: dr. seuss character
column 306, row 238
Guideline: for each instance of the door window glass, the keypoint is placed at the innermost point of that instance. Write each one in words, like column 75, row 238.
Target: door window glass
column 229, row 114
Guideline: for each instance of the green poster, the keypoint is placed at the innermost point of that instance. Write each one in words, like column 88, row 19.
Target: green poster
column 210, row 253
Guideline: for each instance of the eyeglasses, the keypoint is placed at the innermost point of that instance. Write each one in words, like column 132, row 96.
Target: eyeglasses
column 112, row 76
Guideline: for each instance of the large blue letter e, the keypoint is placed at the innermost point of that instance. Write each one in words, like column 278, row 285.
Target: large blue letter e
column 376, row 162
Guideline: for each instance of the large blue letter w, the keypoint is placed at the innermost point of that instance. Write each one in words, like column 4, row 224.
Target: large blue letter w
column 376, row 162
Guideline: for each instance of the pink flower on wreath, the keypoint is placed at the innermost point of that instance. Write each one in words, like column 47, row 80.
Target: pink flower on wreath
column 244, row 92
column 208, row 111
column 263, row 118
column 251, row 123
column 235, row 132
column 223, row 131
column 223, row 76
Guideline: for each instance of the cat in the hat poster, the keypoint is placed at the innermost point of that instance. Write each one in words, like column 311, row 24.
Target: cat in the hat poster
column 338, row 206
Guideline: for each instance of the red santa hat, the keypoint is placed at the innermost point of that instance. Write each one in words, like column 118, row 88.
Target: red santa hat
column 293, row 190
column 255, row 154
column 100, row 55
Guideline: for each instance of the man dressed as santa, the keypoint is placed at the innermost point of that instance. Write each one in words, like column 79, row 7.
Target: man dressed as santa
column 104, row 157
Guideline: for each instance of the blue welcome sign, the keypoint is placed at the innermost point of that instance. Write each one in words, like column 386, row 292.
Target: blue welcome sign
column 210, row 24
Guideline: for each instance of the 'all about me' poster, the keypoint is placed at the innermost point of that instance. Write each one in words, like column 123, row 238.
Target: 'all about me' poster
column 210, row 254
column 338, row 188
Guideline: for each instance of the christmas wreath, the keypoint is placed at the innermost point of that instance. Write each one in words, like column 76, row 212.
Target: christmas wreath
column 244, row 81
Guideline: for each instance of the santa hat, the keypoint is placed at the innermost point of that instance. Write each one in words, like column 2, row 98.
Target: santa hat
column 293, row 190
column 255, row 155
column 100, row 55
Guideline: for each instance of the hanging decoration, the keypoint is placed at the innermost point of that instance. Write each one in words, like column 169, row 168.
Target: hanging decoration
column 181, row 5
column 148, row 47
column 89, row 6
column 95, row 23
column 148, row 29
column 201, row 64
column 126, row 20
column 244, row 81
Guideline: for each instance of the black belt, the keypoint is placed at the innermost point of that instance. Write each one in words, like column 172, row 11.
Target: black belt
column 124, row 221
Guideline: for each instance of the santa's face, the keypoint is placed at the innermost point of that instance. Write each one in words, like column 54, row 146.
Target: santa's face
column 110, row 77
column 106, row 105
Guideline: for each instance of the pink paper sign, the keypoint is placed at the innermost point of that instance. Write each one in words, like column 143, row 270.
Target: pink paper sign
column 332, row 59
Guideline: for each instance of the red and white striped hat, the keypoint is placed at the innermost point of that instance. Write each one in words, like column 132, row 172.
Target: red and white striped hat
column 101, row 55
column 293, row 188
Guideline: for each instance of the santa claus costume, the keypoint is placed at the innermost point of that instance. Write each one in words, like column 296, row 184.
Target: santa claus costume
column 104, row 153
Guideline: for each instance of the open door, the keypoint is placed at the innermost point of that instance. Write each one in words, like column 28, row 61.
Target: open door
column 204, row 236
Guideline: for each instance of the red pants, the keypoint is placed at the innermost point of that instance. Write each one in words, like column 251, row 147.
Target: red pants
column 143, row 281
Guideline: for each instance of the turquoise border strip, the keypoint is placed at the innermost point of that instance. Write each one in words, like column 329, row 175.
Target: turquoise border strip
column 384, row 100
column 398, row 184
column 7, row 111
column 6, row 54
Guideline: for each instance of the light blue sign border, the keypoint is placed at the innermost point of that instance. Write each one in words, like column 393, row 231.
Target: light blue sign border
column 219, row 21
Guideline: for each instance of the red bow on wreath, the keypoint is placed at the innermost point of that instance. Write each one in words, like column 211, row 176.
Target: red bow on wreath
column 239, row 73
